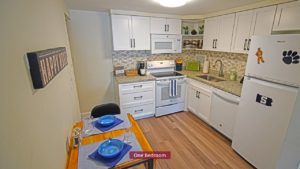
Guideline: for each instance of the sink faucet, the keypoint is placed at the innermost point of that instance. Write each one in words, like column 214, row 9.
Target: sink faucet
column 221, row 74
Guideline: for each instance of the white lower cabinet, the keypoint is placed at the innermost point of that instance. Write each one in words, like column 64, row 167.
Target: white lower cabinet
column 137, row 99
column 199, row 99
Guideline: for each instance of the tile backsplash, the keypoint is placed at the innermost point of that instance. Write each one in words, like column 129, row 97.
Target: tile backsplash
column 232, row 61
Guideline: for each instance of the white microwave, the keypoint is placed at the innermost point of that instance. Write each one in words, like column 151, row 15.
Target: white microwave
column 166, row 43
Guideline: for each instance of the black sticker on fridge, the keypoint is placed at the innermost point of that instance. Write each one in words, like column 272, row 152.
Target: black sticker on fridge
column 267, row 101
column 290, row 57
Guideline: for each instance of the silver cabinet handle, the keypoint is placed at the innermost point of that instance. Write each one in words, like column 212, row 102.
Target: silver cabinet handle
column 245, row 44
column 213, row 44
column 130, row 43
column 216, row 43
column 140, row 110
column 248, row 46
column 138, row 98
column 168, row 26
column 165, row 27
column 133, row 43
column 138, row 86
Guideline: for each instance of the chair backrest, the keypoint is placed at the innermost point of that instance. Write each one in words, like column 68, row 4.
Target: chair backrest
column 105, row 109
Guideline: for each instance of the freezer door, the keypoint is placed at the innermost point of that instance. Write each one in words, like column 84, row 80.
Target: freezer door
column 275, row 58
column 262, row 120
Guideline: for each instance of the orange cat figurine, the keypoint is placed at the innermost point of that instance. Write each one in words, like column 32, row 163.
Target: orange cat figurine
column 259, row 55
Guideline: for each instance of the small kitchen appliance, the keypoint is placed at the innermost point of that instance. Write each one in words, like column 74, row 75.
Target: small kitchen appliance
column 141, row 68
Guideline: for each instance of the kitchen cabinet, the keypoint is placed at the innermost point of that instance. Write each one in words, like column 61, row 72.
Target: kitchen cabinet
column 137, row 99
column 224, row 108
column 165, row 26
column 249, row 23
column 131, row 32
column 287, row 17
column 218, row 33
column 199, row 99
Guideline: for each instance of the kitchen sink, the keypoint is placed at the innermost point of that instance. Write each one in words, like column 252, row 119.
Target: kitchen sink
column 211, row 78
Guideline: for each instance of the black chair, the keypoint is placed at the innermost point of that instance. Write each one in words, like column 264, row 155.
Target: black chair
column 105, row 109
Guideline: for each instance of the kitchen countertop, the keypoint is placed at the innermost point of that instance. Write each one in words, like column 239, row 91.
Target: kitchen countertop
column 233, row 87
column 132, row 79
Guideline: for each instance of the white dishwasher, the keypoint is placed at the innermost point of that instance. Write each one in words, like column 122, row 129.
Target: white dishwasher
column 224, row 107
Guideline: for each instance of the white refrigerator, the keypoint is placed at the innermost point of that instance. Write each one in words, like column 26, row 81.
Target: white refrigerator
column 269, row 92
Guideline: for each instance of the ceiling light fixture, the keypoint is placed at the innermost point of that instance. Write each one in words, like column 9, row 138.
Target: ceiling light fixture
column 172, row 3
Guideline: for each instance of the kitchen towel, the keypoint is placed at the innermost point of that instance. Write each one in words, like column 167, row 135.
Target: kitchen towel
column 84, row 162
column 173, row 88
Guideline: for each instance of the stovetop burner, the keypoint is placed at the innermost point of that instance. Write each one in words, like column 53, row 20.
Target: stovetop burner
column 166, row 74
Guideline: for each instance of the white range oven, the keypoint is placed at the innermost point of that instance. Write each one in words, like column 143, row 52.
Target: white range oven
column 170, row 87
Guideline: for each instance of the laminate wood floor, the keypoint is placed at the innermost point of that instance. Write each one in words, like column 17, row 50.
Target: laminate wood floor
column 193, row 144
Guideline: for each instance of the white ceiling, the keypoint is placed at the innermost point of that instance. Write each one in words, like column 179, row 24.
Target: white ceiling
column 194, row 7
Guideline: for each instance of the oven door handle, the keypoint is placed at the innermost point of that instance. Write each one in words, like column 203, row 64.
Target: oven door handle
column 167, row 82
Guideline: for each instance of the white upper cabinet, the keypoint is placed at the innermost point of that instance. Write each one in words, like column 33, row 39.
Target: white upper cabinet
column 243, row 22
column 121, row 26
column 263, row 21
column 174, row 26
column 218, row 33
column 141, row 32
column 287, row 17
column 165, row 26
column 210, row 34
column 253, row 22
column 130, row 32
column 226, row 26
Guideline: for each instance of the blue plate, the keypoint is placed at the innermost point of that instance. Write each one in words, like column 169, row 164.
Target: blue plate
column 110, row 148
column 106, row 120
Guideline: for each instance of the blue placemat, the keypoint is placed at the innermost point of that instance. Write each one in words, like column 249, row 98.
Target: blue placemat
column 106, row 128
column 84, row 162
column 125, row 124
column 110, row 162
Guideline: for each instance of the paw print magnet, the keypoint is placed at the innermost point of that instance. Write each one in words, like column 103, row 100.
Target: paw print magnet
column 290, row 57
column 259, row 55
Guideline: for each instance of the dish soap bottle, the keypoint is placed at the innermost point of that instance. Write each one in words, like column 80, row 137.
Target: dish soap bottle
column 205, row 65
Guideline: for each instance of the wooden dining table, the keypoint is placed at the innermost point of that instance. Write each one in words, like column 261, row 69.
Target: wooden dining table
column 72, row 162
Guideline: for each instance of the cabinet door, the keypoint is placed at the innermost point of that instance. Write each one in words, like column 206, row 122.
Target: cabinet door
column 242, row 29
column 158, row 25
column 121, row 30
column 204, row 105
column 141, row 32
column 210, row 33
column 287, row 17
column 226, row 25
column 173, row 26
column 193, row 101
column 263, row 21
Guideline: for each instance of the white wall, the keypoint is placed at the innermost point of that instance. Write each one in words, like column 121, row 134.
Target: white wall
column 34, row 124
column 290, row 154
column 91, row 46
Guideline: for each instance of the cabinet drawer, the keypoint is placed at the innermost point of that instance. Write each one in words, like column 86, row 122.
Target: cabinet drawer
column 138, row 112
column 136, row 87
column 135, row 99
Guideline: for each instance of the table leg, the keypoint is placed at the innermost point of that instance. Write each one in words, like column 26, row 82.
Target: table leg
column 150, row 164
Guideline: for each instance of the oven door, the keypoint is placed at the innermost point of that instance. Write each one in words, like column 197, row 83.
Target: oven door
column 163, row 97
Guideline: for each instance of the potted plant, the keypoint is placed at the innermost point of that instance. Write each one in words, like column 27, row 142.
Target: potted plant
column 201, row 29
column 186, row 30
column 193, row 32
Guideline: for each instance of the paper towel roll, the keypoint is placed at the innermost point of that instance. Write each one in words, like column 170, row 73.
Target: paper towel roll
column 205, row 66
